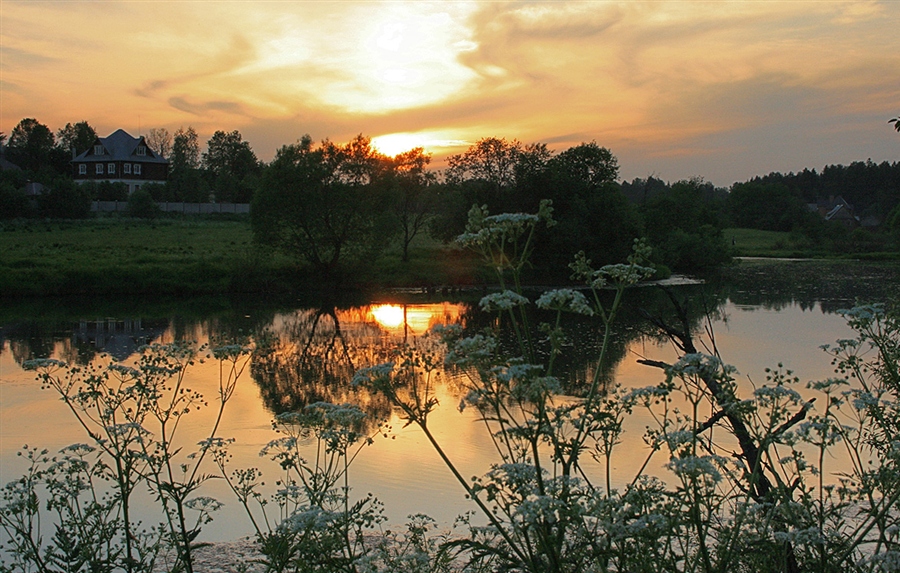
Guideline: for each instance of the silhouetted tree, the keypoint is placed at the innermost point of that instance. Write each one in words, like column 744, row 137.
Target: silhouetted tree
column 684, row 227
column 32, row 147
column 766, row 206
column 185, row 179
column 231, row 167
column 76, row 138
column 412, row 199
column 592, row 213
column 326, row 205
column 64, row 199
column 160, row 140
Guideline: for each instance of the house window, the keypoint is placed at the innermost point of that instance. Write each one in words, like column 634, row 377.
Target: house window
column 127, row 168
column 98, row 150
column 99, row 169
column 82, row 169
column 141, row 150
column 137, row 168
column 111, row 168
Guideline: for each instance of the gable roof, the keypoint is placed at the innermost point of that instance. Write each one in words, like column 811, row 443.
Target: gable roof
column 120, row 146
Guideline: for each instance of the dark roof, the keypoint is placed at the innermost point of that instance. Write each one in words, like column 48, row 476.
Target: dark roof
column 6, row 165
column 120, row 146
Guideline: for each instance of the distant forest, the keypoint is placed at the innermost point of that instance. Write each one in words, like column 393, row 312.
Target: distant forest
column 872, row 189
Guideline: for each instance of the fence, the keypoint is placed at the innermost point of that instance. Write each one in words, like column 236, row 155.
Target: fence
column 173, row 207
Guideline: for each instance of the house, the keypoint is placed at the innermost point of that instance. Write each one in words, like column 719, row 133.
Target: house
column 121, row 158
column 836, row 209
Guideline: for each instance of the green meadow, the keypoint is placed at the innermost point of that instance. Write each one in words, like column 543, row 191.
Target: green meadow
column 183, row 257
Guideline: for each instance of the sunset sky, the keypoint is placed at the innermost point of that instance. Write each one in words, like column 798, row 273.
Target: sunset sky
column 721, row 90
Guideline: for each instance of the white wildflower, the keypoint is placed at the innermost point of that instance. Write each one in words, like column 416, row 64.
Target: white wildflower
column 568, row 300
column 505, row 300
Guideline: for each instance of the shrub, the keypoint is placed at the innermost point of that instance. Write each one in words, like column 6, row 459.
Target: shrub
column 142, row 205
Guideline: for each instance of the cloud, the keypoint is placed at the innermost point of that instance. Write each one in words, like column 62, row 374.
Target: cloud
column 15, row 58
column 204, row 108
column 676, row 83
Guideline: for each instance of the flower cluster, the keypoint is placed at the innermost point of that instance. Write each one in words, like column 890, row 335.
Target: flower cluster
column 565, row 300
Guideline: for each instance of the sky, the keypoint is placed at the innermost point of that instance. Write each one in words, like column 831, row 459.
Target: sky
column 723, row 90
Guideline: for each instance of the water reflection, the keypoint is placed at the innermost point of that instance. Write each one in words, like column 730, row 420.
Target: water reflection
column 313, row 350
column 311, row 355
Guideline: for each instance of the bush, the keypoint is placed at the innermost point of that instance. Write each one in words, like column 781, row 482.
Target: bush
column 142, row 205
column 64, row 199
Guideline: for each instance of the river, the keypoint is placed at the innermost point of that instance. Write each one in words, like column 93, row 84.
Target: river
column 760, row 314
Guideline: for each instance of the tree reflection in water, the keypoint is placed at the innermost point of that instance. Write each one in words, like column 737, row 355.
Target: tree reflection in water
column 312, row 354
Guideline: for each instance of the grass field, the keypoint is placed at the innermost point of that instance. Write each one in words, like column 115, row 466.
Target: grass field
column 756, row 243
column 180, row 257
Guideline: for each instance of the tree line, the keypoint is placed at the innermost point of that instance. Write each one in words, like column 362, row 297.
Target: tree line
column 336, row 207
column 227, row 171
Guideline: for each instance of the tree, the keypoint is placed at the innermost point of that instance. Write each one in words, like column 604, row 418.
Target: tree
column 231, row 167
column 495, row 173
column 76, row 138
column 185, row 178
column 413, row 199
column 588, row 162
column 31, row 145
column 325, row 205
column 65, row 199
column 160, row 140
column 765, row 206
column 591, row 212
column 896, row 122
column 186, row 149
column 683, row 227
column 227, row 153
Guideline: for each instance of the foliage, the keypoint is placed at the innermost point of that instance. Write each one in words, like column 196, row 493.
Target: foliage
column 413, row 197
column 873, row 189
column 756, row 495
column 14, row 202
column 105, row 190
column 76, row 138
column 231, row 167
column 310, row 522
column 325, row 205
column 142, row 205
column 533, row 498
column 32, row 147
column 683, row 226
column 593, row 215
column 65, row 199
column 504, row 176
column 770, row 207
column 131, row 416
column 185, row 180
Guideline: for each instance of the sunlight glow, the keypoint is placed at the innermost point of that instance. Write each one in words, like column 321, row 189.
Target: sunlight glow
column 413, row 318
column 395, row 143
column 406, row 58
column 433, row 142
column 389, row 316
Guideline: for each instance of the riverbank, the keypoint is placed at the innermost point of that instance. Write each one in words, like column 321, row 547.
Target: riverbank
column 197, row 256
column 184, row 257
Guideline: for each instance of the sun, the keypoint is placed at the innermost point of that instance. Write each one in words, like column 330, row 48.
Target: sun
column 393, row 144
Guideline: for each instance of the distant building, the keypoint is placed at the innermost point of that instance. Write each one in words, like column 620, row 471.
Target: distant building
column 836, row 209
column 5, row 164
column 121, row 158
